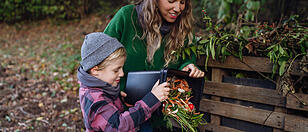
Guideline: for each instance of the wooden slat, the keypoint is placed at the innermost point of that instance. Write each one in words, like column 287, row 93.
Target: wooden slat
column 260, row 64
column 294, row 103
column 247, row 93
column 296, row 124
column 249, row 114
column 217, row 75
column 217, row 128
column 279, row 109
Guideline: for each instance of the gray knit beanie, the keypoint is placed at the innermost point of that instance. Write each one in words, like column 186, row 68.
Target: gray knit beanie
column 97, row 47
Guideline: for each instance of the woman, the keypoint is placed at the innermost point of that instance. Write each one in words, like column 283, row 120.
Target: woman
column 151, row 32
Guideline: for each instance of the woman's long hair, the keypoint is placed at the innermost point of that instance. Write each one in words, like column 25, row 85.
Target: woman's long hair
column 180, row 29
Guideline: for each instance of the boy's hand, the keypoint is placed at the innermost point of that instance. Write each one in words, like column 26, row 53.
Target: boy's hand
column 123, row 94
column 161, row 91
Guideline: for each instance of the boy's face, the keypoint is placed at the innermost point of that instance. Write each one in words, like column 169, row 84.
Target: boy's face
column 112, row 72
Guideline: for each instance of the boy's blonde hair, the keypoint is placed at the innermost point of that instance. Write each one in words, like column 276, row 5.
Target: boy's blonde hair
column 117, row 54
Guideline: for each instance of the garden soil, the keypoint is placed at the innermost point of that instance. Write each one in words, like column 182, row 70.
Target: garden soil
column 38, row 85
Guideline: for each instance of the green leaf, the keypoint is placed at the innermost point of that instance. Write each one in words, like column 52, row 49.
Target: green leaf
column 296, row 36
column 240, row 50
column 18, row 1
column 178, row 55
column 183, row 55
column 249, row 16
column 269, row 54
column 282, row 68
column 194, row 49
column 224, row 10
column 282, row 59
column 272, row 46
column 218, row 50
column 201, row 52
column 207, row 51
column 306, row 44
column 275, row 48
column 203, row 41
column 197, row 39
column 199, row 47
column 281, row 50
column 229, row 1
column 237, row 2
column 212, row 47
column 275, row 67
column 207, row 57
column 226, row 36
column 239, row 75
column 224, row 51
column 253, row 5
column 187, row 51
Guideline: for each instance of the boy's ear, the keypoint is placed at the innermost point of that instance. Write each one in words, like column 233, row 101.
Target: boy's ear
column 93, row 70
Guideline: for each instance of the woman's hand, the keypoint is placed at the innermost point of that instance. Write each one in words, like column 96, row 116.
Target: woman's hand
column 194, row 71
column 161, row 91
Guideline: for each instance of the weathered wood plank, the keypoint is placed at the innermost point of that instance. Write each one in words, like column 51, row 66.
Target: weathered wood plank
column 217, row 128
column 263, row 117
column 294, row 103
column 296, row 123
column 279, row 109
column 247, row 93
column 217, row 75
column 260, row 64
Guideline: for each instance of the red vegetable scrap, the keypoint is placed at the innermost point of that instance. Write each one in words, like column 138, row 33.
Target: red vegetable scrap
column 179, row 108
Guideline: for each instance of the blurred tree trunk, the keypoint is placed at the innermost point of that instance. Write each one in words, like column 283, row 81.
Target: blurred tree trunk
column 85, row 6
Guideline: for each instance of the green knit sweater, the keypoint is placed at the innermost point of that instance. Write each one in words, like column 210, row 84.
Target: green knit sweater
column 125, row 26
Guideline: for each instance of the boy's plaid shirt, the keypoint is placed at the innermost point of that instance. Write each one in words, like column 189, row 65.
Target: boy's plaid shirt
column 102, row 113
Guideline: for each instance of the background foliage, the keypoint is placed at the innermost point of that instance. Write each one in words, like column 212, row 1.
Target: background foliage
column 228, row 11
column 12, row 11
column 16, row 10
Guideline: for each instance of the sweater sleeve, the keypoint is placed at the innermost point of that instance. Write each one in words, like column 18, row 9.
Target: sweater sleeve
column 104, row 116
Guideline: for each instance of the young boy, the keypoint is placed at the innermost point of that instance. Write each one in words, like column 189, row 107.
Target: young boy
column 99, row 74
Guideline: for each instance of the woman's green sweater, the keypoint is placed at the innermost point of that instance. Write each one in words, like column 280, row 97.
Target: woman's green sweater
column 126, row 28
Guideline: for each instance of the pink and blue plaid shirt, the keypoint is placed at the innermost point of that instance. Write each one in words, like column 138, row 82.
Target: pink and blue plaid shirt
column 102, row 113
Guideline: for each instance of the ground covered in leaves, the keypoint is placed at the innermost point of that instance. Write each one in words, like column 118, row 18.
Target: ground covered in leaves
column 38, row 62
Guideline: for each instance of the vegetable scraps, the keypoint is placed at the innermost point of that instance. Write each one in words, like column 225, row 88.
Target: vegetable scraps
column 178, row 107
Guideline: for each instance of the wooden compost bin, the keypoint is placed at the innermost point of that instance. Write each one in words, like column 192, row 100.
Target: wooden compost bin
column 278, row 119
